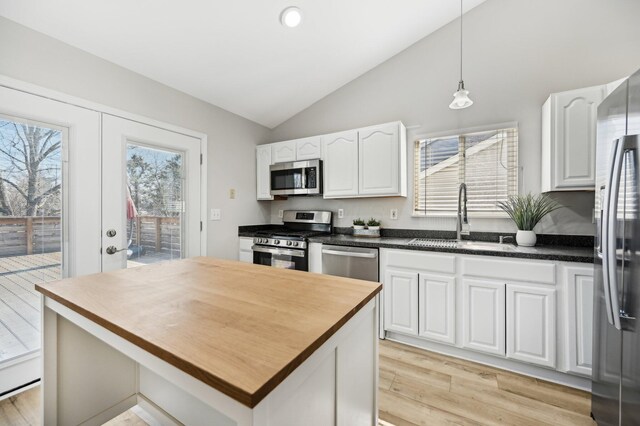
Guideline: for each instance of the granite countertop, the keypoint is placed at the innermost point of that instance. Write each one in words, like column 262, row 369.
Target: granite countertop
column 551, row 252
column 563, row 248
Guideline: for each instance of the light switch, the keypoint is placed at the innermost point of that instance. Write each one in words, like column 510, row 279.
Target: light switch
column 216, row 214
column 393, row 214
column 340, row 213
column 232, row 193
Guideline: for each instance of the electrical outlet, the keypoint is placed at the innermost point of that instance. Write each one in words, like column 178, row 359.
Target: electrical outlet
column 393, row 214
column 340, row 213
column 232, row 193
column 280, row 213
column 215, row 214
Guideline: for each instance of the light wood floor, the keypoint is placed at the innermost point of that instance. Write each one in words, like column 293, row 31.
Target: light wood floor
column 422, row 388
column 425, row 388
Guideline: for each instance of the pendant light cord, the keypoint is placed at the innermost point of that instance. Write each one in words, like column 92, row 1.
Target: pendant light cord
column 460, row 40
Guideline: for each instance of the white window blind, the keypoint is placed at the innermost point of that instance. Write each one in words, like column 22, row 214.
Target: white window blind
column 486, row 161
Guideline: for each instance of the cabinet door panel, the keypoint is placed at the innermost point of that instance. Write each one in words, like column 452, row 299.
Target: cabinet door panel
column 531, row 327
column 575, row 137
column 484, row 316
column 579, row 319
column 401, row 302
column 436, row 307
column 378, row 165
column 282, row 152
column 309, row 148
column 263, row 176
column 340, row 164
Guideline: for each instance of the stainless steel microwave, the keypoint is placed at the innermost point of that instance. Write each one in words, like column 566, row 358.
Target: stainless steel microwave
column 296, row 178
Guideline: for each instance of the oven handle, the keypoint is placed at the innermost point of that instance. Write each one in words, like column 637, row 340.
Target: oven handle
column 286, row 252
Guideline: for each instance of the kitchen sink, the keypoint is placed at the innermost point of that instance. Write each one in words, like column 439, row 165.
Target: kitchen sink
column 465, row 244
column 433, row 242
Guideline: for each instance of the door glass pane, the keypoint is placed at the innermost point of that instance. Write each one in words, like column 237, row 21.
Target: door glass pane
column 31, row 160
column 154, row 204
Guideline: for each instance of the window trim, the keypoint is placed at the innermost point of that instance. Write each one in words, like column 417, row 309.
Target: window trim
column 417, row 137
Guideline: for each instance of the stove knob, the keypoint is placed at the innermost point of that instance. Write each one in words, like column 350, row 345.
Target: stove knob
column 288, row 243
column 264, row 240
column 276, row 242
column 295, row 244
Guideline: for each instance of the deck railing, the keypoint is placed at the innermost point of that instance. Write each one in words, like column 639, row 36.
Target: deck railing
column 29, row 235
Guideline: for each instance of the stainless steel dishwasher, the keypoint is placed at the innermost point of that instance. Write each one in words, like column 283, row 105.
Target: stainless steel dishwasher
column 350, row 262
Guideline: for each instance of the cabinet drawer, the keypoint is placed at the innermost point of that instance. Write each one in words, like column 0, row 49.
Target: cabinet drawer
column 423, row 261
column 540, row 272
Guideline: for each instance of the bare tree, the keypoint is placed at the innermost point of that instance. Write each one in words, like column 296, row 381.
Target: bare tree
column 26, row 150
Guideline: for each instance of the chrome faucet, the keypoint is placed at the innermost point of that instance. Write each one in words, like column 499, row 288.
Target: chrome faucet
column 462, row 222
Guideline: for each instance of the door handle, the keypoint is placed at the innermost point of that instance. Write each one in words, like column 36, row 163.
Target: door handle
column 113, row 250
column 350, row 254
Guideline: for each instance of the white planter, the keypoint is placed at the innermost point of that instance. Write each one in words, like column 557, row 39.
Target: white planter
column 373, row 228
column 526, row 238
column 358, row 226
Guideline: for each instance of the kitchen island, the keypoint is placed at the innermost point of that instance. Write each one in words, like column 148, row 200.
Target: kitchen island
column 209, row 341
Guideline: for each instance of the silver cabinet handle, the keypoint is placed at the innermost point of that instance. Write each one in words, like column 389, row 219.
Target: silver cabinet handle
column 113, row 250
column 349, row 253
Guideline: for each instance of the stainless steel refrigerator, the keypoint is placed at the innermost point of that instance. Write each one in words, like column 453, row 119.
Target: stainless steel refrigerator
column 616, row 339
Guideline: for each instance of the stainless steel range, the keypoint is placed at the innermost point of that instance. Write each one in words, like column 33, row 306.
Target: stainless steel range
column 286, row 246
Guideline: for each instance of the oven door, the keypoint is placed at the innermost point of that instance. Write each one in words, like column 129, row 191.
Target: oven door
column 280, row 257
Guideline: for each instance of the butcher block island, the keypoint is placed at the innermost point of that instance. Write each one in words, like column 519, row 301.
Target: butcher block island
column 210, row 341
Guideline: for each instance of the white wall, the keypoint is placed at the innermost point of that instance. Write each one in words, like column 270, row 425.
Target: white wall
column 516, row 52
column 36, row 58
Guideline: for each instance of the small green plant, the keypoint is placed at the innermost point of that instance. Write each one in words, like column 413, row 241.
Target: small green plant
column 358, row 222
column 527, row 210
column 373, row 222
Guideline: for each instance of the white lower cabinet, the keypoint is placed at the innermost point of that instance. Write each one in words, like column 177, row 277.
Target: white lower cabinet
column 483, row 316
column 437, row 307
column 579, row 321
column 531, row 325
column 400, row 301
column 245, row 253
column 537, row 314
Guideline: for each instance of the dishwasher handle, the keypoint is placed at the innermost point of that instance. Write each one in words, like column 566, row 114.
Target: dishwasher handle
column 350, row 254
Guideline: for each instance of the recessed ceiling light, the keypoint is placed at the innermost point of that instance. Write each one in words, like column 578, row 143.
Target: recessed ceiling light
column 291, row 17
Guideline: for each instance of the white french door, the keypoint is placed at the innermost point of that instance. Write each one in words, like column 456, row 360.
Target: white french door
column 81, row 192
column 150, row 194
column 49, row 216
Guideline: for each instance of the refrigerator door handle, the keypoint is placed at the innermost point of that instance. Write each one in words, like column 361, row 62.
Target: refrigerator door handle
column 609, row 258
column 621, row 146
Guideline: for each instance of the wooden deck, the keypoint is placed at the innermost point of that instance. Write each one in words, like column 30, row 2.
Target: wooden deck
column 20, row 303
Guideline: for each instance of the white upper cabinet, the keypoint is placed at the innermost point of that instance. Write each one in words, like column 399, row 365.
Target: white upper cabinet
column 340, row 164
column 309, row 148
column 296, row 150
column 379, row 165
column 569, row 139
column 263, row 175
column 282, row 152
column 366, row 162
column 531, row 327
column 375, row 166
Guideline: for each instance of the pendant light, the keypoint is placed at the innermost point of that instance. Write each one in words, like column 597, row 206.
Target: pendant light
column 461, row 97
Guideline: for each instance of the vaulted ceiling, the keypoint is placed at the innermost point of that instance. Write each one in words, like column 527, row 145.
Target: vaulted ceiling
column 236, row 54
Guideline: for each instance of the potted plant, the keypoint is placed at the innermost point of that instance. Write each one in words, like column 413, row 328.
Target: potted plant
column 373, row 224
column 526, row 211
column 358, row 223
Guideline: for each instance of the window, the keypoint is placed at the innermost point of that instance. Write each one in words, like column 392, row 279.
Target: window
column 486, row 161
